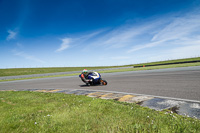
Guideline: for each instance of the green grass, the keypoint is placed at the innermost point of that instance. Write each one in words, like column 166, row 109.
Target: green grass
column 63, row 75
column 152, row 67
column 112, row 71
column 169, row 61
column 58, row 112
column 28, row 71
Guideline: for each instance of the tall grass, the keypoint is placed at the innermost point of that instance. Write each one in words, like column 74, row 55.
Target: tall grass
column 50, row 112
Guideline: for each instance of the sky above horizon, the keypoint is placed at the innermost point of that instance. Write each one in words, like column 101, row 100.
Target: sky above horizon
column 71, row 33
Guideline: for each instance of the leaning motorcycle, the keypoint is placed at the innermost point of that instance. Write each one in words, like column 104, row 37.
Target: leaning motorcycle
column 93, row 78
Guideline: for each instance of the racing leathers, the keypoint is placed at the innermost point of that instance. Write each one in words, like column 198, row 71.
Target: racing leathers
column 84, row 77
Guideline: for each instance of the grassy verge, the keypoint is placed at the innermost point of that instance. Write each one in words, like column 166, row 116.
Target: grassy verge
column 169, row 61
column 115, row 70
column 28, row 71
column 153, row 67
column 63, row 75
column 51, row 112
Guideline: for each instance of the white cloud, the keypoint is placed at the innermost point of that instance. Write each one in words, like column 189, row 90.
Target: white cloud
column 88, row 36
column 123, row 36
column 64, row 45
column 12, row 35
column 180, row 27
column 77, row 40
column 126, row 35
column 163, row 33
column 27, row 56
column 148, row 45
column 180, row 31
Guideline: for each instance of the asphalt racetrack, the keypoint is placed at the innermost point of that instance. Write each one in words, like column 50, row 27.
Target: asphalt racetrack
column 183, row 83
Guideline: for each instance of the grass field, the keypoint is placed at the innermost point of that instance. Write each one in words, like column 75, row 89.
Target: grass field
column 111, row 71
column 169, row 61
column 58, row 112
column 153, row 67
column 27, row 71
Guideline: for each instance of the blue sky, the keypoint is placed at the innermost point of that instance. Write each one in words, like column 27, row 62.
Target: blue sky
column 57, row 33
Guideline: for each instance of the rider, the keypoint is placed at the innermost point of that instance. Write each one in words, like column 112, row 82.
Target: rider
column 91, row 78
column 84, row 75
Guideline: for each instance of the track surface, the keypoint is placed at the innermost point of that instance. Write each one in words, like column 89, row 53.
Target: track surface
column 181, row 83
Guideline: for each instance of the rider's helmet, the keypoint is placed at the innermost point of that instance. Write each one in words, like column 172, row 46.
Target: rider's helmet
column 85, row 71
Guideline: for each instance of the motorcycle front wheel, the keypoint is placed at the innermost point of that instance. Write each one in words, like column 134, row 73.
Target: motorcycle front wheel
column 104, row 82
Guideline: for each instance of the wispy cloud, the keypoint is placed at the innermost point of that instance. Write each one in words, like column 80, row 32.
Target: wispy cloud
column 125, row 36
column 64, row 45
column 164, row 33
column 179, row 28
column 180, row 31
column 87, row 36
column 77, row 40
column 139, row 47
column 12, row 35
column 122, row 36
column 27, row 56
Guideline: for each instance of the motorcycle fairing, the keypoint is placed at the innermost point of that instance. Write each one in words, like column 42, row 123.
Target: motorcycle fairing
column 95, row 76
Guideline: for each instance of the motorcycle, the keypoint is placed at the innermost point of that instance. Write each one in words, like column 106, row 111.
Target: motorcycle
column 93, row 78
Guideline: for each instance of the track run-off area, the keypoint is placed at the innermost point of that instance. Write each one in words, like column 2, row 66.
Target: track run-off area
column 180, row 83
